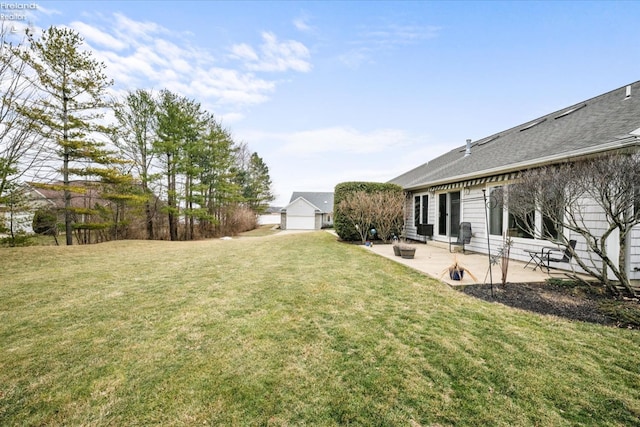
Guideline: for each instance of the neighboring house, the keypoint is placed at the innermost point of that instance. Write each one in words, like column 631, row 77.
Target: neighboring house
column 307, row 211
column 88, row 205
column 449, row 189
column 20, row 218
column 36, row 198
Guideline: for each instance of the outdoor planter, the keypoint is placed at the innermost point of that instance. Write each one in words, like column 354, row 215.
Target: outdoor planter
column 407, row 252
column 456, row 273
column 396, row 250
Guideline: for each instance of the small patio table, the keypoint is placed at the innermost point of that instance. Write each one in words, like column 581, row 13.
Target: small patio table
column 538, row 256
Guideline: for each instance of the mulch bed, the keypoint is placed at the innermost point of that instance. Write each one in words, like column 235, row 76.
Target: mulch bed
column 568, row 299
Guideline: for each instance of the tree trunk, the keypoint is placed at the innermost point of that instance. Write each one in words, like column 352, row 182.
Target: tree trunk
column 173, row 220
column 149, row 214
column 65, row 172
column 67, row 198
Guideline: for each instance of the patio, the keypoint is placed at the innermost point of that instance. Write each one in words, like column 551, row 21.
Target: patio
column 433, row 258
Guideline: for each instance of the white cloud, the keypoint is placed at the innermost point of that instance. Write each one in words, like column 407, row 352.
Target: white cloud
column 93, row 35
column 143, row 54
column 393, row 35
column 244, row 51
column 342, row 140
column 230, row 118
column 274, row 55
column 231, row 86
column 137, row 30
column 375, row 39
column 301, row 24
column 354, row 58
column 318, row 159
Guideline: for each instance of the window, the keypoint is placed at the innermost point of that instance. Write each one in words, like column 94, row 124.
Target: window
column 552, row 210
column 496, row 205
column 420, row 210
column 543, row 218
column 518, row 228
column 425, row 210
column 550, row 228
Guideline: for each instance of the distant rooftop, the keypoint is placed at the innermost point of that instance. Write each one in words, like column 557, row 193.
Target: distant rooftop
column 323, row 201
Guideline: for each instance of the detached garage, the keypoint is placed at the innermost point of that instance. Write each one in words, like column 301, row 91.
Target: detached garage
column 307, row 211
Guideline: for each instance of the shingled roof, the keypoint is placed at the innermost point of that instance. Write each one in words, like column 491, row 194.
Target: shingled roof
column 323, row 201
column 606, row 122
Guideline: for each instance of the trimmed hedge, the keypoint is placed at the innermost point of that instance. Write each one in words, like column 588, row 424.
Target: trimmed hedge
column 342, row 226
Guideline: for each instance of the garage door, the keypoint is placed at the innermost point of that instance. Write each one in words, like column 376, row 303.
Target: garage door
column 300, row 222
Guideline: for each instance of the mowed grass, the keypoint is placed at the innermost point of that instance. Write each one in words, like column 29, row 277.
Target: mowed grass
column 287, row 330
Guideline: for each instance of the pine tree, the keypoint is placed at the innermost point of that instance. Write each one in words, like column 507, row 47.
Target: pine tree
column 257, row 185
column 71, row 87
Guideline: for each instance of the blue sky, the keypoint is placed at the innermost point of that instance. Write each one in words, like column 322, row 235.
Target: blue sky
column 328, row 92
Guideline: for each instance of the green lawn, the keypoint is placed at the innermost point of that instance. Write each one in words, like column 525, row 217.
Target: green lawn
column 287, row 330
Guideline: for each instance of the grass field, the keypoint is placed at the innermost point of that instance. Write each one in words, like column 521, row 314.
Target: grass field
column 287, row 330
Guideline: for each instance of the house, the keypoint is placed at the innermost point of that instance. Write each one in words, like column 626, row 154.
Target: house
column 91, row 210
column 448, row 190
column 307, row 211
column 51, row 197
column 18, row 218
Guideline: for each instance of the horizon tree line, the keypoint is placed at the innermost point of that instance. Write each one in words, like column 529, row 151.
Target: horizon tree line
column 162, row 155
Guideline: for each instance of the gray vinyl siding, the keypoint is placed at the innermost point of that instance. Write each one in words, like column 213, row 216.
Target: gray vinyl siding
column 473, row 210
column 634, row 252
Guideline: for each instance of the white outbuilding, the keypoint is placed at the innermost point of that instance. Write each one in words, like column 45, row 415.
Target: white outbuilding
column 307, row 211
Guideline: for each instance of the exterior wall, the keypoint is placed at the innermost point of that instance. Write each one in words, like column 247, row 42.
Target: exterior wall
column 324, row 220
column 23, row 219
column 634, row 254
column 473, row 208
column 411, row 230
column 301, row 208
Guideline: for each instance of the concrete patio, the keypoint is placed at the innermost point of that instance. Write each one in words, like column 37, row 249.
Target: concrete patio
column 434, row 258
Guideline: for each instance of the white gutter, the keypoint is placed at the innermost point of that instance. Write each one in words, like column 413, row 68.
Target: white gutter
column 557, row 158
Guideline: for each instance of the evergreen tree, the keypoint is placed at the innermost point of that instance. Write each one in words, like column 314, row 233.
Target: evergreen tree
column 257, row 185
column 177, row 123
column 71, row 87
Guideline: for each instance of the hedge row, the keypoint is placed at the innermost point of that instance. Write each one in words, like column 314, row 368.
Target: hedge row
column 344, row 229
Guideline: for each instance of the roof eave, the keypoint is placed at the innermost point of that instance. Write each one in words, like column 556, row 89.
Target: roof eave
column 542, row 161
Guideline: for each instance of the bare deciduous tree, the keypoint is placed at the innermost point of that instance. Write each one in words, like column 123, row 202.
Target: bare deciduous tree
column 387, row 209
column 137, row 119
column 358, row 209
column 20, row 141
column 382, row 210
column 593, row 199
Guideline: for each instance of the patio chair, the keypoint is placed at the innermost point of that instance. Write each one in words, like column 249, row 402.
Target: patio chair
column 547, row 255
column 464, row 236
